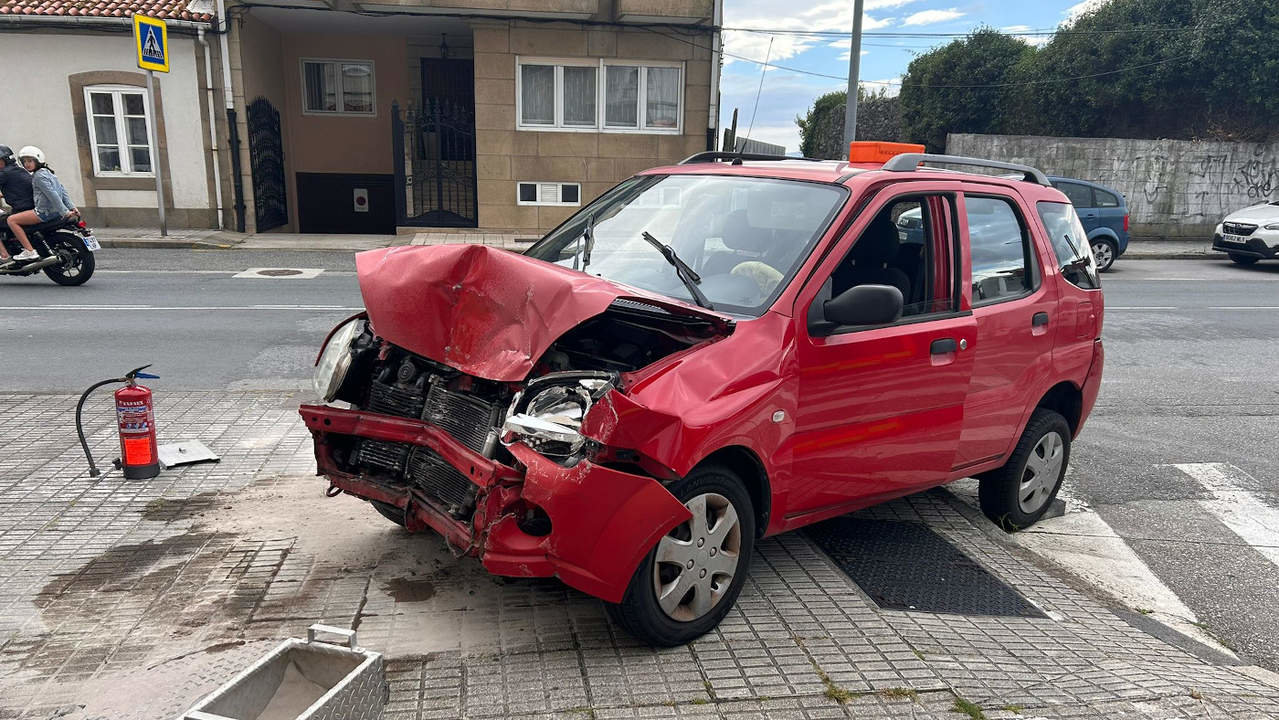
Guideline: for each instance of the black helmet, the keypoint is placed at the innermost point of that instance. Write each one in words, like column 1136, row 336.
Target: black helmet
column 6, row 154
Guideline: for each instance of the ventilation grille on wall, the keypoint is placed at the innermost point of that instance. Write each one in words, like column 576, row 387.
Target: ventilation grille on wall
column 548, row 193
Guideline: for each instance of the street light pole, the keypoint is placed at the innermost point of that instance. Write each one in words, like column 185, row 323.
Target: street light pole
column 156, row 167
column 854, row 72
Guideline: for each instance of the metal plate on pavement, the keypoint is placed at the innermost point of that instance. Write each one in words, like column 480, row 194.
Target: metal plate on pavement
column 186, row 452
column 908, row 566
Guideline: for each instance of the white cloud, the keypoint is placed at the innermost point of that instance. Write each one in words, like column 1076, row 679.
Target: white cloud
column 1035, row 40
column 781, row 15
column 1074, row 11
column 892, row 85
column 928, row 17
column 881, row 4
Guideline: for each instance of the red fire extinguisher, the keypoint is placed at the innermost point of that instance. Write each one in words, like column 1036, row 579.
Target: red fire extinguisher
column 139, row 455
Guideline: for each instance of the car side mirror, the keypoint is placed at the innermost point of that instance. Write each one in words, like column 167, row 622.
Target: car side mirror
column 865, row 305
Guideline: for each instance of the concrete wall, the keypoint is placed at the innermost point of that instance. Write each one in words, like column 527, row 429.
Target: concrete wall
column 1175, row 188
column 596, row 160
column 46, row 109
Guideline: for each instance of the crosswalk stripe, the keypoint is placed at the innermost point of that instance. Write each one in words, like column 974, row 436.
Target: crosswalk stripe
column 1243, row 511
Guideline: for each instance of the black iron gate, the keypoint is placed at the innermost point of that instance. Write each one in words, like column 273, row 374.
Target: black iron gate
column 435, row 149
column 266, row 161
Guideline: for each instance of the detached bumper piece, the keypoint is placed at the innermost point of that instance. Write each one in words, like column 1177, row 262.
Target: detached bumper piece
column 1255, row 247
column 595, row 526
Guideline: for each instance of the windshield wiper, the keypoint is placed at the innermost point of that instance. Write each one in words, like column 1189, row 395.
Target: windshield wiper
column 682, row 270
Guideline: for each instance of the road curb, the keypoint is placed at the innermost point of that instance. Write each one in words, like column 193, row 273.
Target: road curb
column 164, row 244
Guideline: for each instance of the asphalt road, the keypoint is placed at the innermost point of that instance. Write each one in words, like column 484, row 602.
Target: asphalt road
column 1180, row 450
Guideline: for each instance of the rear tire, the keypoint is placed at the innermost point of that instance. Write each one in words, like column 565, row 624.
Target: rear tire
column 1243, row 259
column 1105, row 251
column 390, row 512
column 693, row 599
column 1016, row 495
column 77, row 260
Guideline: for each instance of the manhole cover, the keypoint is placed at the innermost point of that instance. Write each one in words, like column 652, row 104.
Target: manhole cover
column 907, row 566
column 279, row 272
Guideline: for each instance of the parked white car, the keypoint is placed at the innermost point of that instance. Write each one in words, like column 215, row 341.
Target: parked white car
column 1250, row 234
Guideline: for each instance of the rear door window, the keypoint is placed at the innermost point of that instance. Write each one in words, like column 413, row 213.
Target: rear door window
column 1070, row 244
column 1000, row 249
column 1105, row 199
column 1079, row 195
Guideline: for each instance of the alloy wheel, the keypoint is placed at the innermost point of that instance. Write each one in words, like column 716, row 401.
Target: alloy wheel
column 695, row 563
column 1103, row 254
column 1043, row 467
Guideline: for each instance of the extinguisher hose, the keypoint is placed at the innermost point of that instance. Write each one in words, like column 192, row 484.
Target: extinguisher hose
column 93, row 469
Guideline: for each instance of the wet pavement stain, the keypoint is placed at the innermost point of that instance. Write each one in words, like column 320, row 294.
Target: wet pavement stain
column 121, row 568
column 410, row 589
column 170, row 509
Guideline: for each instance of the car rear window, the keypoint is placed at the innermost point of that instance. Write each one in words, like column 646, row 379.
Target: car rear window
column 1070, row 244
column 1079, row 195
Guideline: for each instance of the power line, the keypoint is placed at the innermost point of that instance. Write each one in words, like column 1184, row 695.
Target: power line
column 890, row 83
column 1031, row 32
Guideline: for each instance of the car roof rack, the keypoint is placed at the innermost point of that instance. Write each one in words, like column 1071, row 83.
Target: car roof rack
column 909, row 162
column 736, row 157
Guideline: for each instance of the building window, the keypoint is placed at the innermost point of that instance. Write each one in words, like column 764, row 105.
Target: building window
column 119, row 130
column 613, row 96
column 548, row 193
column 338, row 87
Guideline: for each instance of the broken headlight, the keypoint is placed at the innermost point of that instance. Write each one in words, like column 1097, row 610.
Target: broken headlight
column 547, row 415
column 335, row 359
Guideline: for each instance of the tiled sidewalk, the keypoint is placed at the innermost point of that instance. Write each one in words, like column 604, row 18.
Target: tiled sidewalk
column 132, row 599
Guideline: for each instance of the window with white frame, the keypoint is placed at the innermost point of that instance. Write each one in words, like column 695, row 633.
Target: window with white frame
column 338, row 87
column 119, row 130
column 609, row 95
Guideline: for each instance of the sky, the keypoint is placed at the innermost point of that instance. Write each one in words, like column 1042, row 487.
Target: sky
column 787, row 94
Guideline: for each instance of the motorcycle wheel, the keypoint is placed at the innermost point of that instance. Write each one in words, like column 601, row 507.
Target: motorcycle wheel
column 77, row 260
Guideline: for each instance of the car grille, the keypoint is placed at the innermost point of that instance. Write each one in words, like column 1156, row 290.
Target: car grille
column 429, row 473
column 1238, row 228
column 391, row 400
column 467, row 418
column 384, row 455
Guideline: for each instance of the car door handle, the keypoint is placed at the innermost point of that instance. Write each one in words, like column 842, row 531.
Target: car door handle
column 1039, row 320
column 943, row 346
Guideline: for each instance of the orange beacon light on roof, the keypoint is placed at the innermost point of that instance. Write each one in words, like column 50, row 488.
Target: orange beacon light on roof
column 879, row 152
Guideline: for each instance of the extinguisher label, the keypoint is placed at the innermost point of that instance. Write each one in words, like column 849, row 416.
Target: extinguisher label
column 134, row 417
column 137, row 451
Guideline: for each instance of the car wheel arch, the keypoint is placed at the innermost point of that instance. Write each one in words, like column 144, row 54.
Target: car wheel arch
column 750, row 469
column 1066, row 398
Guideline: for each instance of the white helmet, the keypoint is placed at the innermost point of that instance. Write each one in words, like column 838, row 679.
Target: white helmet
column 31, row 151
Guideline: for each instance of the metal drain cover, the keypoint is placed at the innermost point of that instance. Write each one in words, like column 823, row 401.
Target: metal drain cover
column 908, row 566
column 279, row 272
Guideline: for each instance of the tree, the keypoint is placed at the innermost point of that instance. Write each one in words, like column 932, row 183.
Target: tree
column 938, row 96
column 821, row 131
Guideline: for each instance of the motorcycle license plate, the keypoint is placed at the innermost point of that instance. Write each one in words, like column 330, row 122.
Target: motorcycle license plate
column 92, row 243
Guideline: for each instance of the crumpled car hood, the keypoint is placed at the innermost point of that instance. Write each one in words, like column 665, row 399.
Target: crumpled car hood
column 487, row 312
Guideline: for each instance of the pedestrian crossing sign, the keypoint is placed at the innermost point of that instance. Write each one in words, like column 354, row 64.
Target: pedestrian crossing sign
column 151, row 38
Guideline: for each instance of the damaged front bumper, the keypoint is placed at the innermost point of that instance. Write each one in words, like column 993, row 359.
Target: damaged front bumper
column 602, row 521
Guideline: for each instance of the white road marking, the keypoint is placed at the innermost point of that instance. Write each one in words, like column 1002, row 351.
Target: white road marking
column 1243, row 511
column 1140, row 307
column 1083, row 543
column 280, row 273
column 202, row 272
column 1243, row 307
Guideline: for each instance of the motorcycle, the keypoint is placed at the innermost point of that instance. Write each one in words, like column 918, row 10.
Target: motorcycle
column 65, row 245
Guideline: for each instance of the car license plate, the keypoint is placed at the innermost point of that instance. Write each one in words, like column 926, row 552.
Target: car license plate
column 1240, row 239
column 92, row 243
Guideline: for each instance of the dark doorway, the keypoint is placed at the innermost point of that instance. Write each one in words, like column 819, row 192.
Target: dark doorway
column 346, row 203
column 266, row 161
column 439, row 140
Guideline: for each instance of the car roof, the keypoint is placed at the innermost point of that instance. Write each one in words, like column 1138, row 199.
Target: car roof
column 838, row 172
column 1089, row 183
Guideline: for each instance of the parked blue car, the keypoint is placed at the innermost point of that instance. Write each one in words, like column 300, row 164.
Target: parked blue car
column 1104, row 214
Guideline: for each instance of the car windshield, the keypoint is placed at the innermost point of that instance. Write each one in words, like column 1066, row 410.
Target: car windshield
column 742, row 237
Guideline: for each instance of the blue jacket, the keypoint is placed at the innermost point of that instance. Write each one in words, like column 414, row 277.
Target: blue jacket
column 51, row 198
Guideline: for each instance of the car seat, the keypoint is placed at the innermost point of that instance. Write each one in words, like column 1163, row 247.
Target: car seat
column 867, row 263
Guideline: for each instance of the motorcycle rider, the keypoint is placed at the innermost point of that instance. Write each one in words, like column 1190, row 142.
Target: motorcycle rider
column 51, row 200
column 16, row 189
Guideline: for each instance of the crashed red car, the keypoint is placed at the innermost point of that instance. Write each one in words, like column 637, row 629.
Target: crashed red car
column 713, row 353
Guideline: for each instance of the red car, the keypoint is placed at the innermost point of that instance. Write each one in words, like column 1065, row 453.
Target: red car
column 712, row 353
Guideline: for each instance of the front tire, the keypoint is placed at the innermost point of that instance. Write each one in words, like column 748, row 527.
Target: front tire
column 1016, row 495
column 1243, row 259
column 689, row 581
column 1104, row 250
column 77, row 260
column 388, row 511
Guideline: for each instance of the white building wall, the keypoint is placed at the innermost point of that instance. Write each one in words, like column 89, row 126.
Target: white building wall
column 37, row 107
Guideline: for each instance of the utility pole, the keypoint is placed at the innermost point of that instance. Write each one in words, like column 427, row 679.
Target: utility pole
column 854, row 72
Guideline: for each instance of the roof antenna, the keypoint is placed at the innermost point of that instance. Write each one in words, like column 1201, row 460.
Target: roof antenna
column 742, row 142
